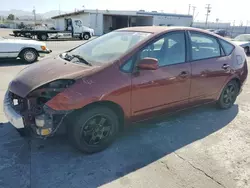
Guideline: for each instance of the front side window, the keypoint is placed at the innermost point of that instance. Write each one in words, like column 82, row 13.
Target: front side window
column 108, row 47
column 78, row 22
column 168, row 50
column 204, row 46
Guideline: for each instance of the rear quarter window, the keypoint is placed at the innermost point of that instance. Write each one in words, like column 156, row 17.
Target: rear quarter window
column 228, row 48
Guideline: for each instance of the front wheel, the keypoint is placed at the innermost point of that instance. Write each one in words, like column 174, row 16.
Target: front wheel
column 86, row 36
column 228, row 95
column 93, row 130
column 29, row 55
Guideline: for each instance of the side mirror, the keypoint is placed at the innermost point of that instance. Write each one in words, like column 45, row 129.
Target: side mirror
column 148, row 64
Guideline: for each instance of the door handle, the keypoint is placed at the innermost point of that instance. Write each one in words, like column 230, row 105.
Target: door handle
column 183, row 74
column 225, row 66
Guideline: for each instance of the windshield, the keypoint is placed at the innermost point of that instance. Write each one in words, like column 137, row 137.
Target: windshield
column 242, row 38
column 108, row 47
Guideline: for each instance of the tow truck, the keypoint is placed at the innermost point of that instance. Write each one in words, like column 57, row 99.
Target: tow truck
column 74, row 28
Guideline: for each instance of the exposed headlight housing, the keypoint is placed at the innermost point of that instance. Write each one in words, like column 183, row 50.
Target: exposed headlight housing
column 51, row 89
column 63, row 83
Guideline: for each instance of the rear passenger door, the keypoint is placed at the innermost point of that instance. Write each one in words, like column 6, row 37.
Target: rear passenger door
column 210, row 67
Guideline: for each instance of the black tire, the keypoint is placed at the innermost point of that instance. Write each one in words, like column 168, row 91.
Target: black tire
column 29, row 55
column 86, row 36
column 228, row 95
column 86, row 129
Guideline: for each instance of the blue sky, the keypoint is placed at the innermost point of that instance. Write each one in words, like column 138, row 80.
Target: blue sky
column 224, row 10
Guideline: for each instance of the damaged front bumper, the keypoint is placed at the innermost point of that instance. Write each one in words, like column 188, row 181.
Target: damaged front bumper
column 14, row 118
column 44, row 123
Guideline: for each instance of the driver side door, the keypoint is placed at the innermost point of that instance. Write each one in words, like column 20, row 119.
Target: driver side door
column 167, row 87
column 77, row 25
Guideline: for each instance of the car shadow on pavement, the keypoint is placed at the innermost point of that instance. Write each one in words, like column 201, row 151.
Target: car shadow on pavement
column 54, row 163
column 11, row 62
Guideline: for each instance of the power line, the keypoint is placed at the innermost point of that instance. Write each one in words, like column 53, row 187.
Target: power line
column 208, row 12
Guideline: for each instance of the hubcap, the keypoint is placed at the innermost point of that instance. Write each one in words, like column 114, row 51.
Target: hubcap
column 96, row 130
column 44, row 37
column 29, row 56
column 229, row 94
column 86, row 36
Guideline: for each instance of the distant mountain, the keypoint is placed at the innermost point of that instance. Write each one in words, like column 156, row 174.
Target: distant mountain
column 29, row 15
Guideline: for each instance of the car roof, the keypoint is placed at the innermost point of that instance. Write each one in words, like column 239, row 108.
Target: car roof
column 161, row 29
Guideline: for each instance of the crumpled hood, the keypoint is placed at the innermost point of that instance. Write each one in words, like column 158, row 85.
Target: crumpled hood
column 240, row 42
column 46, row 71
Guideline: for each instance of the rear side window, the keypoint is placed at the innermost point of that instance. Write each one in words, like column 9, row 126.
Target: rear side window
column 228, row 48
column 204, row 46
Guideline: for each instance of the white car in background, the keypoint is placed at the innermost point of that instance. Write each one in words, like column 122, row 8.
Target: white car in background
column 243, row 41
column 27, row 50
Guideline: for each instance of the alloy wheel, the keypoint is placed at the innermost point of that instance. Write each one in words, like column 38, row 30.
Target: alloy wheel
column 29, row 56
column 96, row 130
column 229, row 94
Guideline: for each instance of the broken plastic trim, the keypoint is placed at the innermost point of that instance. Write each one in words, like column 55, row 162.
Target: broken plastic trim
column 49, row 110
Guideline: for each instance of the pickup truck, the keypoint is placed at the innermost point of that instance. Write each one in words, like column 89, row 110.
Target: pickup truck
column 73, row 28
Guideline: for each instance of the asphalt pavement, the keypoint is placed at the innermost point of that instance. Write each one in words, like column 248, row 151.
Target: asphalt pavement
column 200, row 148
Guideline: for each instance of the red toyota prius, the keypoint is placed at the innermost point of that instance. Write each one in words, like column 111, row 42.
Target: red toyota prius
column 127, row 75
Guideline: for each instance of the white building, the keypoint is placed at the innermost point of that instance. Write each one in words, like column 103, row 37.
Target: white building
column 212, row 25
column 103, row 21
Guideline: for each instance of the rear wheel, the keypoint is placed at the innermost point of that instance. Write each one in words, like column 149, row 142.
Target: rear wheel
column 94, row 130
column 29, row 55
column 228, row 95
column 43, row 37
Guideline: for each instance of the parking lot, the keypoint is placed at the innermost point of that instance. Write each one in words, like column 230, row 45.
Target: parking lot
column 200, row 148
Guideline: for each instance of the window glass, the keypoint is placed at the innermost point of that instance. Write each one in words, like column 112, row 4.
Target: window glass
column 204, row 46
column 168, row 50
column 128, row 65
column 109, row 47
column 228, row 48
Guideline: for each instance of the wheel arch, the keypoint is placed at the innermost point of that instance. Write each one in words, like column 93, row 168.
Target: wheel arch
column 234, row 78
column 116, row 108
column 86, row 32
column 25, row 48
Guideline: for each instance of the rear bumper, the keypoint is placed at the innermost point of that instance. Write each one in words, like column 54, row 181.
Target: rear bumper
column 14, row 118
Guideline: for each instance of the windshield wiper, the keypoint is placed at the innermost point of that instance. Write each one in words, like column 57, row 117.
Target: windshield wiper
column 81, row 59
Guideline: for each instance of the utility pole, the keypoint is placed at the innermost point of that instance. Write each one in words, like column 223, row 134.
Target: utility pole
column 34, row 12
column 59, row 9
column 194, row 10
column 208, row 12
column 189, row 6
